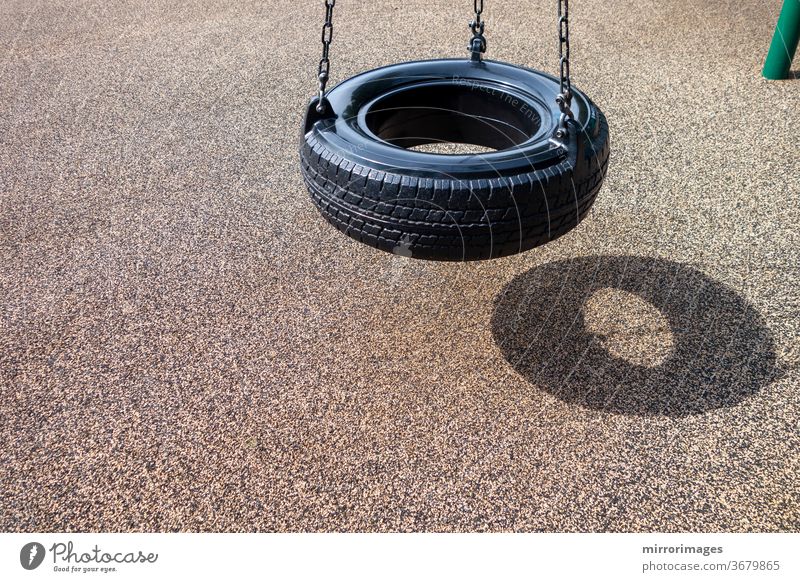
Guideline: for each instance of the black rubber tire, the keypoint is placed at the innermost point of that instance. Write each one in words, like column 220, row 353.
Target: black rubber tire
column 445, row 216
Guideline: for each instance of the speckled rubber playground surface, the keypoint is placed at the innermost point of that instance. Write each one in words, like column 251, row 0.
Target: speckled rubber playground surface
column 186, row 345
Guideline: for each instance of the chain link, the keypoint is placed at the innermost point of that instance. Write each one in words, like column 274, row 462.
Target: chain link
column 564, row 98
column 325, row 63
column 477, row 45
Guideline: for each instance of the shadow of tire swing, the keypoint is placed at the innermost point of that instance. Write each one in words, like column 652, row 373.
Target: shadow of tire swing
column 577, row 329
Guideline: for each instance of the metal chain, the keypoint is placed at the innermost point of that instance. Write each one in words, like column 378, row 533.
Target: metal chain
column 325, row 63
column 564, row 98
column 477, row 45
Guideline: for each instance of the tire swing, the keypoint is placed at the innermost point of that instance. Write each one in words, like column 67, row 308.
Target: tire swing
column 550, row 153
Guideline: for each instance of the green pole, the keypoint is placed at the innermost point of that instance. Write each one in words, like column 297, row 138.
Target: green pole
column 784, row 42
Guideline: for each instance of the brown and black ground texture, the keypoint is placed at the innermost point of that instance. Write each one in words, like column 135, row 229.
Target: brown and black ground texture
column 186, row 345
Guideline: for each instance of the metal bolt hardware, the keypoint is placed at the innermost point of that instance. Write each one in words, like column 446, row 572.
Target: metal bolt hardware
column 324, row 62
column 564, row 98
column 477, row 46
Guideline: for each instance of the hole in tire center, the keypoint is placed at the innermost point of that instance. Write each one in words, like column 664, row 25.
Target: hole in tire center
column 451, row 148
column 453, row 119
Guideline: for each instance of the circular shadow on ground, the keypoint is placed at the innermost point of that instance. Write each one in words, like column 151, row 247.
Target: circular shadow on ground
column 701, row 346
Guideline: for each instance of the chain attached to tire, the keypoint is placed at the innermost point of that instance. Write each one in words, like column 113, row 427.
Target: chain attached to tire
column 477, row 45
column 564, row 98
column 325, row 63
